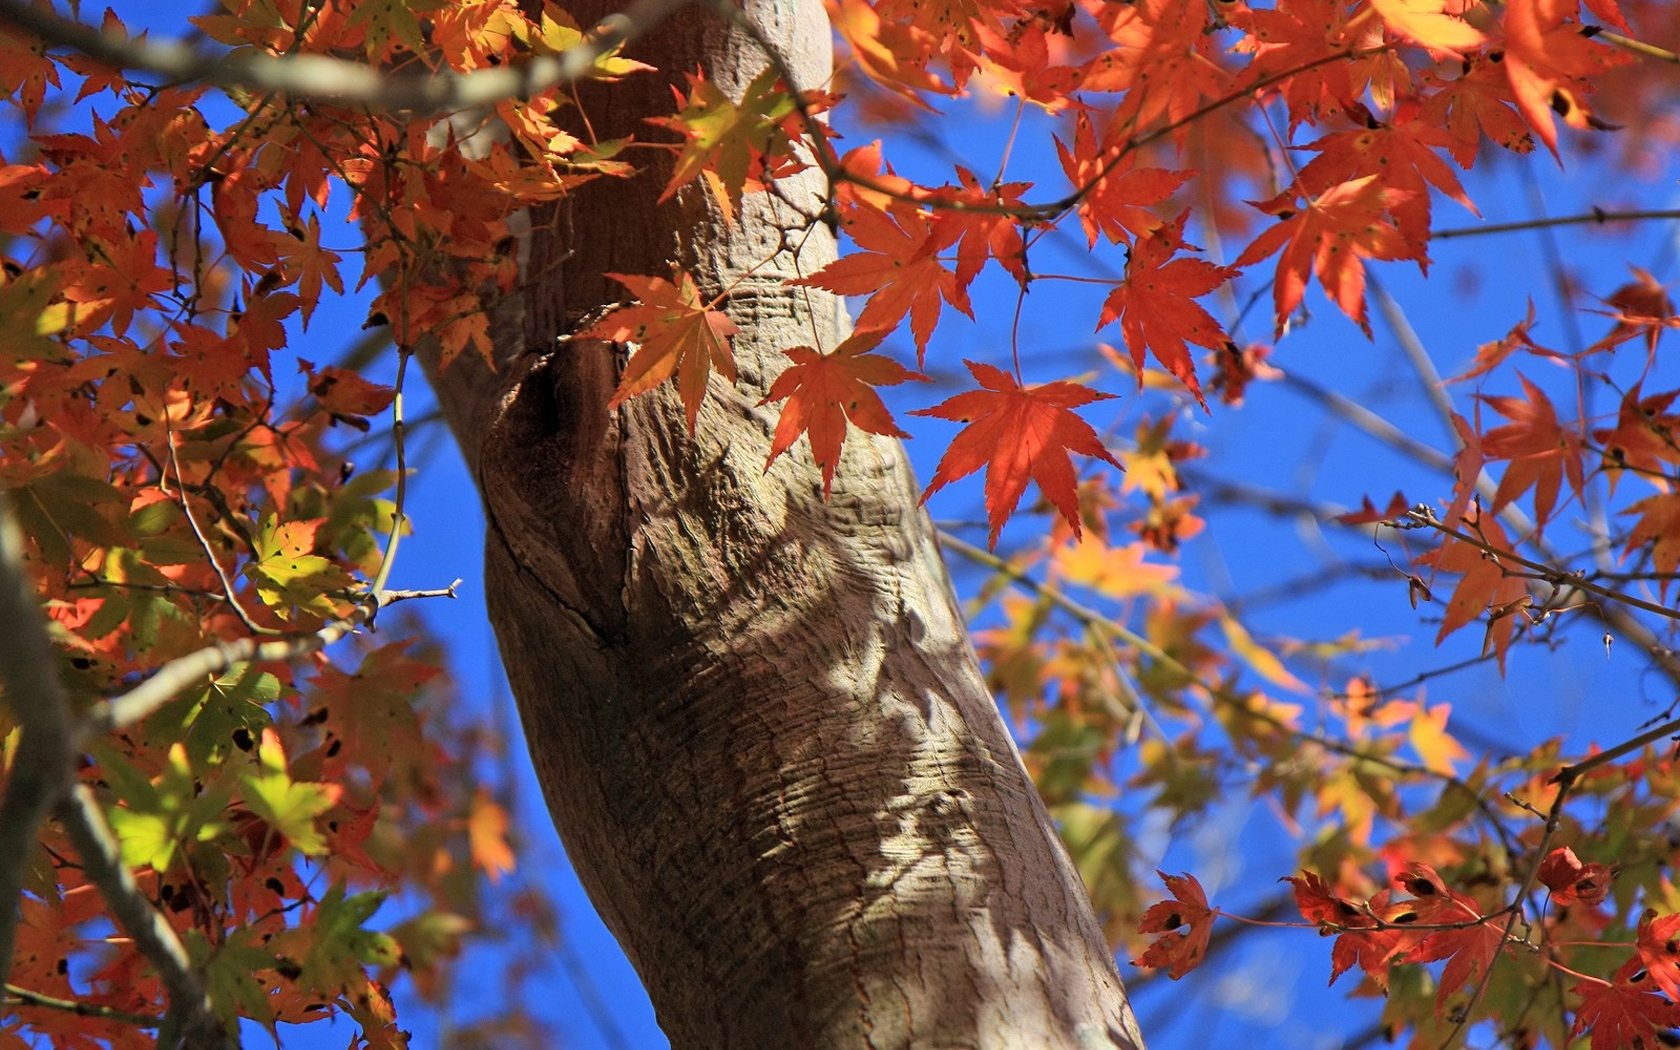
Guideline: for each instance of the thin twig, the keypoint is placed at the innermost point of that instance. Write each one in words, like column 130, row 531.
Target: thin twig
column 1596, row 217
column 25, row 997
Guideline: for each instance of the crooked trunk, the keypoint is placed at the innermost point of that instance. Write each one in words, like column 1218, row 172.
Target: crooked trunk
column 756, row 714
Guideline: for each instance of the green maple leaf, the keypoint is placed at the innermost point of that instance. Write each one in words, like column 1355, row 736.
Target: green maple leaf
column 289, row 806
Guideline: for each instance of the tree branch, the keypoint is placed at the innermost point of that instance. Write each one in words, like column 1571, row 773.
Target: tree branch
column 182, row 672
column 310, row 76
column 42, row 764
column 41, row 780
column 190, row 1020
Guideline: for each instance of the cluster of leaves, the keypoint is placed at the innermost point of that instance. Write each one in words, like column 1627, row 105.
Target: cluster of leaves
column 182, row 478
column 178, row 489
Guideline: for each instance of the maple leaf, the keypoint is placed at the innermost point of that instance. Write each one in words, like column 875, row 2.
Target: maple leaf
column 825, row 391
column 1180, row 951
column 1640, row 306
column 979, row 233
column 1360, row 943
column 1425, row 22
column 1491, row 355
column 1164, row 59
column 487, row 827
column 1018, row 433
column 1368, row 514
column 1156, row 305
column 1402, row 152
column 1658, row 945
column 1427, row 732
column 741, row 144
column 1476, row 105
column 1293, row 39
column 1328, row 236
column 892, row 54
column 1485, row 584
column 1548, row 56
column 1624, row 1012
column 1659, row 526
column 1540, row 452
column 1572, row 881
column 1641, row 438
column 290, row 807
column 898, row 269
column 1469, row 951
column 679, row 335
column 1117, row 196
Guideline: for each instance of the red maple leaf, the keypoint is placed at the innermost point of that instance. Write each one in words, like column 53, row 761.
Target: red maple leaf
column 1117, row 200
column 825, row 391
column 1328, row 236
column 679, row 336
column 982, row 234
column 1156, row 305
column 1641, row 306
column 1179, row 950
column 1018, row 433
column 1469, row 950
column 898, row 269
column 1626, row 1012
column 1540, row 452
column 1572, row 881
column 1486, row 583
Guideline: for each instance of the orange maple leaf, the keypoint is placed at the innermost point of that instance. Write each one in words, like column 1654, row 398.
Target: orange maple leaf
column 898, row 269
column 1156, row 305
column 1180, row 951
column 1658, row 946
column 679, row 335
column 1641, row 439
column 1426, row 22
column 1018, row 433
column 1402, row 153
column 825, row 391
column 1641, row 307
column 1659, row 526
column 1548, row 58
column 1288, row 40
column 1328, row 237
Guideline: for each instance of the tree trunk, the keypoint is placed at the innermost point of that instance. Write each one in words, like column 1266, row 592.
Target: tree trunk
column 756, row 715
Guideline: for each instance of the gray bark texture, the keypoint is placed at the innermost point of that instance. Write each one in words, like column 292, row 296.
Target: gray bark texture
column 756, row 714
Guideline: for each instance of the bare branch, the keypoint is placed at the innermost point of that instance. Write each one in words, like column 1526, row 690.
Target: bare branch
column 308, row 76
column 42, row 763
column 185, row 671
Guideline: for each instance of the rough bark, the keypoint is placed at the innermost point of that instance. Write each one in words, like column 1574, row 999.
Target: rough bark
column 756, row 715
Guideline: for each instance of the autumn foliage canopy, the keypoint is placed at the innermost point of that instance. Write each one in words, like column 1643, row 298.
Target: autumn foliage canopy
column 185, row 462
